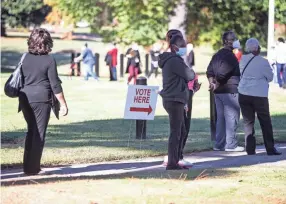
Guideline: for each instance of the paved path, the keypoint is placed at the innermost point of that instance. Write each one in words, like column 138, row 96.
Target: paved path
column 201, row 160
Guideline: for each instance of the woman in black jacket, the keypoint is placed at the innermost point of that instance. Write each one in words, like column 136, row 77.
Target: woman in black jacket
column 41, row 84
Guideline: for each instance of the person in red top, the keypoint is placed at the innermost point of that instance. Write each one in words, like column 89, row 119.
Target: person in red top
column 113, row 54
column 237, row 50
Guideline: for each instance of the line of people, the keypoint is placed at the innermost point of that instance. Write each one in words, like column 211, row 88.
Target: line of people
column 236, row 86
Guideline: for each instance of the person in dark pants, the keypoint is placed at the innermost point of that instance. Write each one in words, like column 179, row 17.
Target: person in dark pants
column 154, row 53
column 193, row 87
column 224, row 75
column 36, row 98
column 256, row 73
column 113, row 53
column 176, row 74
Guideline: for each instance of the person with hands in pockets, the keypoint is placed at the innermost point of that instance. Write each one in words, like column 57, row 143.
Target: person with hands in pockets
column 176, row 74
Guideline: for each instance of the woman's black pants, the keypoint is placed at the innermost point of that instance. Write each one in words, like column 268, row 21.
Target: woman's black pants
column 249, row 106
column 37, row 116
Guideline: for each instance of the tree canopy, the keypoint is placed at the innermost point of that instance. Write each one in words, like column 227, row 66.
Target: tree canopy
column 207, row 20
column 23, row 13
column 145, row 21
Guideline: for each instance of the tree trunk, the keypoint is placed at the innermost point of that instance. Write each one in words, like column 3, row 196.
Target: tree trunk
column 3, row 28
column 178, row 20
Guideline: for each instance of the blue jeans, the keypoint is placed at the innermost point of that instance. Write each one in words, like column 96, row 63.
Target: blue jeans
column 281, row 68
column 228, row 112
column 89, row 71
column 114, row 73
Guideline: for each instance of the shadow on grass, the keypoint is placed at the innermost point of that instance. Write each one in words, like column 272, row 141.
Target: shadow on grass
column 111, row 133
column 10, row 59
column 184, row 175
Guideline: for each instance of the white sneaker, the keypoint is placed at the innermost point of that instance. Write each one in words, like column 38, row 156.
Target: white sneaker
column 165, row 162
column 185, row 163
column 237, row 149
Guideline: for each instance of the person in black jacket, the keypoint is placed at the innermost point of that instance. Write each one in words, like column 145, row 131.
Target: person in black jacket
column 41, row 84
column 224, row 75
column 175, row 94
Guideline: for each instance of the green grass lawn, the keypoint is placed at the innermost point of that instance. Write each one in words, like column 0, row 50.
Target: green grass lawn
column 260, row 184
column 95, row 129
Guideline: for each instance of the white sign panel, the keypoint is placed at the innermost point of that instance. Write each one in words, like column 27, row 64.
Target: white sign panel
column 141, row 102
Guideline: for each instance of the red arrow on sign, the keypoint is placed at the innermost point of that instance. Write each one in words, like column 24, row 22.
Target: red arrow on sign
column 137, row 109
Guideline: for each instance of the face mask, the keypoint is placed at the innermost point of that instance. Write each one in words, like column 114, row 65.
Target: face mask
column 236, row 44
column 182, row 51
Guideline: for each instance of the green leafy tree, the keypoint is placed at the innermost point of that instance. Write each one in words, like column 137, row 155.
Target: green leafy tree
column 207, row 20
column 126, row 21
column 142, row 21
column 22, row 13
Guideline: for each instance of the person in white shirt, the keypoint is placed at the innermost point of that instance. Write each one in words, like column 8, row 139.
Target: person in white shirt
column 256, row 73
column 281, row 62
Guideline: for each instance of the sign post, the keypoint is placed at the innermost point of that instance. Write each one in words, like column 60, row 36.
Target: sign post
column 141, row 105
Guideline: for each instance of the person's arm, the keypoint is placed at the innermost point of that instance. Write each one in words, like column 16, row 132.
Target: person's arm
column 182, row 70
column 210, row 75
column 190, row 58
column 56, row 86
column 267, row 71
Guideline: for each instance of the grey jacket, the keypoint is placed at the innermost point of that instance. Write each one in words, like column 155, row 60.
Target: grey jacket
column 256, row 77
column 176, row 74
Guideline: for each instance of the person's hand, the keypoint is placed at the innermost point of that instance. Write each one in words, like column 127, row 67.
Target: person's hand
column 197, row 85
column 64, row 110
column 211, row 86
column 186, row 108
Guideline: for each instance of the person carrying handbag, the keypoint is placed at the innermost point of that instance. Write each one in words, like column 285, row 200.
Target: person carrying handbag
column 256, row 73
column 41, row 91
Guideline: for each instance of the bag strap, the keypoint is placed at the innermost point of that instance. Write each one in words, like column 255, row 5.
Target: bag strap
column 22, row 58
column 247, row 65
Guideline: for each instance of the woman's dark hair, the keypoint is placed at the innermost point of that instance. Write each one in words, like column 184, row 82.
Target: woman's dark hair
column 40, row 42
column 172, row 33
column 177, row 42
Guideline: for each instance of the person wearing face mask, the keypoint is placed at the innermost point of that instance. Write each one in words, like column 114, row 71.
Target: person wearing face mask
column 176, row 74
column 256, row 73
column 224, row 75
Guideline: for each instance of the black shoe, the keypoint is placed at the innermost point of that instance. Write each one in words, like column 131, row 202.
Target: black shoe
column 274, row 152
column 251, row 153
column 177, row 167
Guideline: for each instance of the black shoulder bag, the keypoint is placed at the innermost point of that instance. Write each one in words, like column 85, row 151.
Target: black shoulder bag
column 16, row 81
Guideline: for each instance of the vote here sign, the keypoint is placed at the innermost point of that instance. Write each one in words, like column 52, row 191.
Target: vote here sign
column 141, row 102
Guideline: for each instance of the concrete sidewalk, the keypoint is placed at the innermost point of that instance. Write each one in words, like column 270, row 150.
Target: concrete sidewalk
column 201, row 160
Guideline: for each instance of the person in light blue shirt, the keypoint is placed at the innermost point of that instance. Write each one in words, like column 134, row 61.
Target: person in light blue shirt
column 88, row 60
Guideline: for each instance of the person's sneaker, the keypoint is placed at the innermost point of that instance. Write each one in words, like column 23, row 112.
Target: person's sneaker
column 217, row 149
column 185, row 163
column 165, row 162
column 237, row 149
